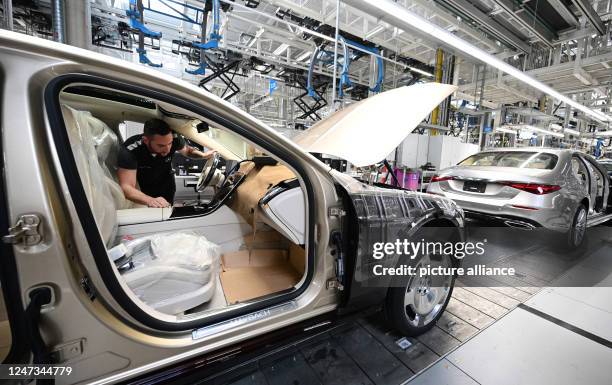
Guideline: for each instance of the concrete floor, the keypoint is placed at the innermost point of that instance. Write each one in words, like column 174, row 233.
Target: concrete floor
column 534, row 328
column 551, row 323
column 562, row 335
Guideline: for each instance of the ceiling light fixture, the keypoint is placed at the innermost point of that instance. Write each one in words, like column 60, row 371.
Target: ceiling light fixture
column 571, row 132
column 505, row 130
column 258, row 34
column 281, row 48
column 413, row 69
column 373, row 32
column 399, row 16
column 303, row 56
column 543, row 131
column 528, row 127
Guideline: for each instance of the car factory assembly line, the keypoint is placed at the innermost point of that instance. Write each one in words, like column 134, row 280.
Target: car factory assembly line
column 305, row 192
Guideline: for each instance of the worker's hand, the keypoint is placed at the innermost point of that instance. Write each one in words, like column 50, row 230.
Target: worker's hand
column 209, row 154
column 158, row 202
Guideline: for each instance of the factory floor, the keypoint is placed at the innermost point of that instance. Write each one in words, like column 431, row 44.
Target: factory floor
column 534, row 328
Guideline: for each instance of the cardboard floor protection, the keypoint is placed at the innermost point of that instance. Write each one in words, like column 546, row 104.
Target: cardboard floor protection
column 263, row 272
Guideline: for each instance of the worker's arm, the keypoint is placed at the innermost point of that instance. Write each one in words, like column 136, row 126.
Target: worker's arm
column 194, row 153
column 127, row 181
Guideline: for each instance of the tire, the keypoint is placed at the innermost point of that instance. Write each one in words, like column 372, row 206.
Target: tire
column 577, row 233
column 411, row 309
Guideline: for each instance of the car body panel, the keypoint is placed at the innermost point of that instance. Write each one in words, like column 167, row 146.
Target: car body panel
column 86, row 310
column 118, row 345
column 366, row 132
column 518, row 208
column 385, row 215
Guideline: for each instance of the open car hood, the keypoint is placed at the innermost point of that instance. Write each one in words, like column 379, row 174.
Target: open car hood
column 366, row 132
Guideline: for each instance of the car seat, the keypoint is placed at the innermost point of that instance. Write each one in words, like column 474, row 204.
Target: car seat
column 167, row 284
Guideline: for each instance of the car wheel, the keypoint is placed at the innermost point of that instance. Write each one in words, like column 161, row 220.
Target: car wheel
column 577, row 232
column 416, row 306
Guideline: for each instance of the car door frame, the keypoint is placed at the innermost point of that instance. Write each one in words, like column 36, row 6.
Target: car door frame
column 592, row 165
column 588, row 182
column 77, row 192
column 19, row 351
column 73, row 317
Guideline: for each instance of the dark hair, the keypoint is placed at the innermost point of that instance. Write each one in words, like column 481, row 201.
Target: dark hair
column 156, row 127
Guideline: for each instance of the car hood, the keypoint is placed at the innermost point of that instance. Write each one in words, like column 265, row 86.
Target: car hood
column 366, row 132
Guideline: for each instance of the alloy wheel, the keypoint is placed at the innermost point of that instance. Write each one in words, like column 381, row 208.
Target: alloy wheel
column 426, row 295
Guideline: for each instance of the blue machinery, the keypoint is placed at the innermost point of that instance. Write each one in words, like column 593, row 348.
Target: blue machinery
column 599, row 147
column 135, row 13
column 136, row 17
column 221, row 71
column 211, row 42
column 327, row 57
column 213, row 39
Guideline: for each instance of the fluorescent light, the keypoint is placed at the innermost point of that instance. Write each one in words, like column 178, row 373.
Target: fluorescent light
column 582, row 79
column 281, row 48
column 396, row 14
column 571, row 132
column 566, row 130
column 261, row 101
column 303, row 56
column 543, row 131
column 373, row 32
column 258, row 34
column 604, row 133
column 527, row 127
column 420, row 71
column 505, row 130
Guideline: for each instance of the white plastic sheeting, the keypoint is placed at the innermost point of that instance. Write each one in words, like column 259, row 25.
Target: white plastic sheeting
column 99, row 195
column 172, row 272
column 185, row 249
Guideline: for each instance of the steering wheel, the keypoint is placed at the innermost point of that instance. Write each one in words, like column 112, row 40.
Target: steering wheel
column 208, row 172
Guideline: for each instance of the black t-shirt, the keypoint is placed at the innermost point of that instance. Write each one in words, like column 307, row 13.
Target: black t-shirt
column 154, row 172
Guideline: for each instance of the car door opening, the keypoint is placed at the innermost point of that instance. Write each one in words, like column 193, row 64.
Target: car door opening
column 239, row 239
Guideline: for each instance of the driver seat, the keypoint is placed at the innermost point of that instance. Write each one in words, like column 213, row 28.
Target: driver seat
column 162, row 274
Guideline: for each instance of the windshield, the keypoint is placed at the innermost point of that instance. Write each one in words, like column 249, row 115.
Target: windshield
column 517, row 159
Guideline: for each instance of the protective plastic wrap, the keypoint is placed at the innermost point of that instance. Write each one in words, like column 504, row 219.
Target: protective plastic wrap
column 185, row 249
column 107, row 147
column 172, row 272
column 386, row 216
column 91, row 171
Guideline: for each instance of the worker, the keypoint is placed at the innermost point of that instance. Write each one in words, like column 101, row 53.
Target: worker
column 147, row 159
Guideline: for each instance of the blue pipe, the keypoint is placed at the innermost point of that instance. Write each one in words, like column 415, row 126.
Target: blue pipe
column 213, row 39
column 379, row 63
column 134, row 14
column 344, row 75
column 309, row 86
